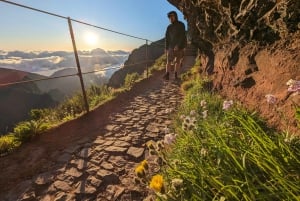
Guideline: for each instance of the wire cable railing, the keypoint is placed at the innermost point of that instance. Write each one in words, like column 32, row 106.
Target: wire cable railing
column 79, row 74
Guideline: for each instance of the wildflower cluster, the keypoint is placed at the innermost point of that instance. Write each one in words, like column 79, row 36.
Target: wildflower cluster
column 294, row 86
column 189, row 121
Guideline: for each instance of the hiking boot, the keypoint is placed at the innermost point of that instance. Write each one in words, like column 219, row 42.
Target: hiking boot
column 176, row 76
column 166, row 76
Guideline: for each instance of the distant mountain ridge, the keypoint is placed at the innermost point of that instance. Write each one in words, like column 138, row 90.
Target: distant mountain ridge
column 137, row 62
column 17, row 100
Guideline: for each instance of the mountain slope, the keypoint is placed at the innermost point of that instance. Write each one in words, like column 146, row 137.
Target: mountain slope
column 137, row 62
column 17, row 100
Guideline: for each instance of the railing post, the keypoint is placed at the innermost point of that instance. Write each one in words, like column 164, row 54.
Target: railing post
column 147, row 58
column 78, row 65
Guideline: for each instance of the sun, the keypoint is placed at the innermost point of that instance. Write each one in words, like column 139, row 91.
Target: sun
column 91, row 38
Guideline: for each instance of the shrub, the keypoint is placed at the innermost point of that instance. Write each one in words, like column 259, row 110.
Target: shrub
column 8, row 143
column 24, row 131
column 130, row 79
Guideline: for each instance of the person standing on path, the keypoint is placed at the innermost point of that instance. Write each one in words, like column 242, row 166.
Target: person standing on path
column 175, row 44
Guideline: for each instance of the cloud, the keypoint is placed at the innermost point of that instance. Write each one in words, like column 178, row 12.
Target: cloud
column 47, row 62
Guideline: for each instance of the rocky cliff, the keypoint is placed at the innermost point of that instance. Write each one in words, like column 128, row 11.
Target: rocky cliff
column 137, row 62
column 250, row 48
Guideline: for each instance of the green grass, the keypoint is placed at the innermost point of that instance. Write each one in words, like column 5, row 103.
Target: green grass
column 229, row 155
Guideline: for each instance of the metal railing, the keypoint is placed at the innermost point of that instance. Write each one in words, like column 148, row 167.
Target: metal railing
column 79, row 72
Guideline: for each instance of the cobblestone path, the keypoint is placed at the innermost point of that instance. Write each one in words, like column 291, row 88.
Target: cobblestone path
column 103, row 169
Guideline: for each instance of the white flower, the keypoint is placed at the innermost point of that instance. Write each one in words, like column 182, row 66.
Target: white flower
column 271, row 99
column 193, row 120
column 204, row 114
column 227, row 104
column 203, row 152
column 193, row 113
column 290, row 82
column 169, row 139
column 203, row 103
column 177, row 183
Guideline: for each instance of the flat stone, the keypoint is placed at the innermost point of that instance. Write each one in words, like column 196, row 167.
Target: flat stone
column 110, row 127
column 107, row 166
column 126, row 138
column 121, row 144
column 152, row 128
column 63, row 186
column 122, row 119
column 99, row 141
column 46, row 198
column 108, row 143
column 152, row 135
column 135, row 152
column 117, row 160
column 43, row 179
column 73, row 172
column 114, row 191
column 94, row 181
column 115, row 149
column 108, row 177
column 61, row 196
column 93, row 170
column 83, row 188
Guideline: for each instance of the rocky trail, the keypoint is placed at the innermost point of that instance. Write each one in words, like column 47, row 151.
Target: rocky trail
column 94, row 156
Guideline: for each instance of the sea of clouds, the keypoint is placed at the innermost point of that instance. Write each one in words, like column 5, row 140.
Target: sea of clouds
column 46, row 62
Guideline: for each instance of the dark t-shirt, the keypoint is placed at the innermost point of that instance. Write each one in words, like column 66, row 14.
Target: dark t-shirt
column 175, row 35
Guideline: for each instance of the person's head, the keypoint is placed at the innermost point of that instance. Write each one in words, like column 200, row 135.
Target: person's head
column 172, row 16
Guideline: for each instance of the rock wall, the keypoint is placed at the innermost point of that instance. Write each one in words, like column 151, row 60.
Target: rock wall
column 250, row 48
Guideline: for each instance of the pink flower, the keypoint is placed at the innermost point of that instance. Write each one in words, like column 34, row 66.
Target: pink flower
column 271, row 99
column 294, row 85
column 169, row 139
column 227, row 104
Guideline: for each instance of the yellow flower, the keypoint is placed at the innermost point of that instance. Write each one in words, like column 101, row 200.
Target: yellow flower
column 157, row 183
column 144, row 163
column 140, row 171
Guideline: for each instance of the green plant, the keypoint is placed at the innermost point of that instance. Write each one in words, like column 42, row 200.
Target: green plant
column 8, row 143
column 228, row 154
column 24, row 131
column 298, row 115
column 130, row 79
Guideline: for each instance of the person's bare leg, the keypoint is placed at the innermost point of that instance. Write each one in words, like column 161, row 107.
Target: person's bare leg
column 176, row 69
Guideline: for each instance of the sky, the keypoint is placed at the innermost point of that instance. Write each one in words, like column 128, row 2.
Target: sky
column 27, row 30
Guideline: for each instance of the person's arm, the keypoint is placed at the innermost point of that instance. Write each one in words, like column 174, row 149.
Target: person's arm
column 167, row 42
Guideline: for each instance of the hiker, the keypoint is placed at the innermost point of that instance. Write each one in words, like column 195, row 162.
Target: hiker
column 175, row 44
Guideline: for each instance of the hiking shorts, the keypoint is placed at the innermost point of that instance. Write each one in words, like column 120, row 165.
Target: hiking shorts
column 175, row 56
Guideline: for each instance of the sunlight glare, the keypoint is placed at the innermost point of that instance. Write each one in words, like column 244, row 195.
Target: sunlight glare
column 91, row 38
